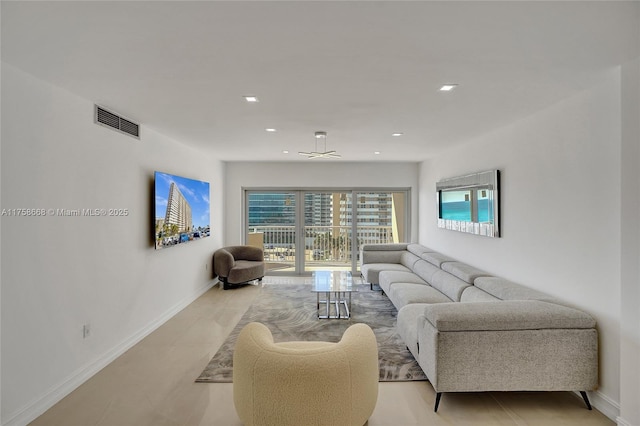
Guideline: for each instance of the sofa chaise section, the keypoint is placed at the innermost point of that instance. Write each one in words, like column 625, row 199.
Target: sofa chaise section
column 446, row 285
column 376, row 258
column 473, row 332
column 518, row 345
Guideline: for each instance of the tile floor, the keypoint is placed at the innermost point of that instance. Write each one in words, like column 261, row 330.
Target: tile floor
column 152, row 384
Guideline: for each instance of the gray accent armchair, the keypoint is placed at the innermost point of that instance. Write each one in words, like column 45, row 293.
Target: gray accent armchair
column 235, row 265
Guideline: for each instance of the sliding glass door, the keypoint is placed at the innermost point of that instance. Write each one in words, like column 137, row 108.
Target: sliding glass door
column 381, row 217
column 271, row 225
column 307, row 230
column 326, row 231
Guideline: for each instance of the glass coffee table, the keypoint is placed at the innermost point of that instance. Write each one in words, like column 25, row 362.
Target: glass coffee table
column 336, row 288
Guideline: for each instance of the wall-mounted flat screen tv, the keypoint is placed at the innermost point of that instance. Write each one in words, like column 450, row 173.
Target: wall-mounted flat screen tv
column 182, row 210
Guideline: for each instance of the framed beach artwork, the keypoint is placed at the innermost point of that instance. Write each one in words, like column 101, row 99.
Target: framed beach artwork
column 470, row 203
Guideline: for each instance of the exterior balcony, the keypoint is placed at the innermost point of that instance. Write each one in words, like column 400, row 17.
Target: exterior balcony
column 325, row 247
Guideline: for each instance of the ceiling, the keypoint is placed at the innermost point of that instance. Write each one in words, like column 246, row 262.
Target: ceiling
column 360, row 71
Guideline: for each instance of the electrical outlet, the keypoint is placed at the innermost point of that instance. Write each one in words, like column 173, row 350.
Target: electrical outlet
column 86, row 331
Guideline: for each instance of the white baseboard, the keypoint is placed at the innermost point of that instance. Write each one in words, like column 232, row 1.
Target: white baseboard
column 39, row 405
column 604, row 404
column 622, row 422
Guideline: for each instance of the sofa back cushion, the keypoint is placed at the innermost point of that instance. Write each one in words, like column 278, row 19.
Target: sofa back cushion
column 436, row 259
column 466, row 273
column 385, row 247
column 474, row 294
column 408, row 259
column 425, row 270
column 418, row 249
column 448, row 284
column 508, row 290
column 381, row 256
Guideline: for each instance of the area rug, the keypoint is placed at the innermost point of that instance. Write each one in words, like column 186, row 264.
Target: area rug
column 289, row 311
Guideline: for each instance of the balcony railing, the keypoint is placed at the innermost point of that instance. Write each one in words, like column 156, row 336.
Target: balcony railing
column 324, row 246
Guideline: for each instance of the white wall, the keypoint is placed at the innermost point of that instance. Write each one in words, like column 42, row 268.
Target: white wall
column 560, row 206
column 630, row 262
column 59, row 273
column 309, row 175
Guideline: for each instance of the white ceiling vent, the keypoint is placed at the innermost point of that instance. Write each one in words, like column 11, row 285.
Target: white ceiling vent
column 114, row 121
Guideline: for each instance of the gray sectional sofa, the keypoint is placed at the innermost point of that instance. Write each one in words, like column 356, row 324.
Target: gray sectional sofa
column 473, row 332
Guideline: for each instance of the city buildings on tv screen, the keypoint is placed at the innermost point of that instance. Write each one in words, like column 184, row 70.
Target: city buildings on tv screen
column 182, row 210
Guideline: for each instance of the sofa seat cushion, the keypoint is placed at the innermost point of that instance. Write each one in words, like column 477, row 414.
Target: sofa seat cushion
column 403, row 294
column 245, row 270
column 388, row 278
column 505, row 315
column 371, row 271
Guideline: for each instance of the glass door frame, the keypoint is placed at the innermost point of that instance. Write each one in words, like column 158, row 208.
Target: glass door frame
column 299, row 263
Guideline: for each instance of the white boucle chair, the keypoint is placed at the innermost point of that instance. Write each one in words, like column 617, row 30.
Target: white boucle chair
column 305, row 383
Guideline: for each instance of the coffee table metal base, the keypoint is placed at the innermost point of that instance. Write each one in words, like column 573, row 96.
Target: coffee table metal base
column 339, row 303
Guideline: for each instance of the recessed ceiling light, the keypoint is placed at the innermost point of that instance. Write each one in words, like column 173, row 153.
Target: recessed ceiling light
column 251, row 98
column 376, row 152
column 448, row 87
column 270, row 129
column 397, row 134
column 285, row 152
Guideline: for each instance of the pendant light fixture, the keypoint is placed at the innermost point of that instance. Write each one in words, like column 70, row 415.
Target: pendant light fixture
column 317, row 154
